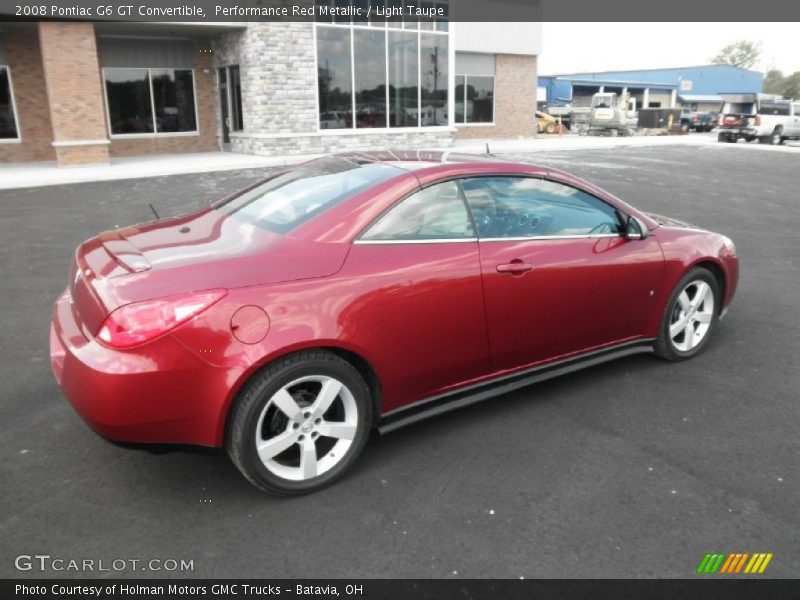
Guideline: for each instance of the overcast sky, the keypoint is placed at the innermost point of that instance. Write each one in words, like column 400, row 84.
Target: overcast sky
column 579, row 47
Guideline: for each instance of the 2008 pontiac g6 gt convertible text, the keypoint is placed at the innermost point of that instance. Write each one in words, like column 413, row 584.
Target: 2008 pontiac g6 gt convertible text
column 369, row 290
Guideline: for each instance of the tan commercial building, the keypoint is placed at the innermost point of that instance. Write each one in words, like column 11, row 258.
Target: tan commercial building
column 83, row 92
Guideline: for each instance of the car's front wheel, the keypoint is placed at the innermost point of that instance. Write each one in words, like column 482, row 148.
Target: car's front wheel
column 300, row 423
column 691, row 315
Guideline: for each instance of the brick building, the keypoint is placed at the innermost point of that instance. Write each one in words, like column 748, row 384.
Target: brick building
column 81, row 93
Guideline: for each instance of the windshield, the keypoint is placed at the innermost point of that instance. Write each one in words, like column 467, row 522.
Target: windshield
column 604, row 101
column 738, row 108
column 775, row 107
column 284, row 202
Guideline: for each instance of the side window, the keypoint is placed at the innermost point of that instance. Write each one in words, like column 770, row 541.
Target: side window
column 504, row 207
column 435, row 213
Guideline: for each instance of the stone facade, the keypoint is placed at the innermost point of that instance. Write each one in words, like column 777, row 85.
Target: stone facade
column 514, row 103
column 323, row 143
column 279, row 97
column 279, row 86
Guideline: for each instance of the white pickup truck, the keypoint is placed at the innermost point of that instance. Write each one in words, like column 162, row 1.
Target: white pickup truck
column 763, row 117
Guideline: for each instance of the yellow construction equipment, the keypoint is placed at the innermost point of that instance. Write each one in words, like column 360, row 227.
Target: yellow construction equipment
column 546, row 123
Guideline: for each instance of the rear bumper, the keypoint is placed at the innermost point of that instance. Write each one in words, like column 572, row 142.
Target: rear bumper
column 740, row 132
column 159, row 393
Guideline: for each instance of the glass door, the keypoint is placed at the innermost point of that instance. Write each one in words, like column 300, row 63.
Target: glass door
column 224, row 107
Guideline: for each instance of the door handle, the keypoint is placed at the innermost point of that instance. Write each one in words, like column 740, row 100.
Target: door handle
column 515, row 267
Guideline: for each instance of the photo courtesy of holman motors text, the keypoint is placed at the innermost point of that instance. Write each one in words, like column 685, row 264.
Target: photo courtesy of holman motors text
column 217, row 590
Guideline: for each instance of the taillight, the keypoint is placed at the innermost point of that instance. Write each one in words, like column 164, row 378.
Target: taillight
column 134, row 324
column 757, row 120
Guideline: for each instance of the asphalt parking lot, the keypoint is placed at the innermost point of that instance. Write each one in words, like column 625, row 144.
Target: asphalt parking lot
column 635, row 468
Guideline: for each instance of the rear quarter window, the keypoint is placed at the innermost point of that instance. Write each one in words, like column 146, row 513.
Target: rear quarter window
column 289, row 199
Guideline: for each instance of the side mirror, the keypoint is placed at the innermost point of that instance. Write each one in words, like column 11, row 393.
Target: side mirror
column 635, row 229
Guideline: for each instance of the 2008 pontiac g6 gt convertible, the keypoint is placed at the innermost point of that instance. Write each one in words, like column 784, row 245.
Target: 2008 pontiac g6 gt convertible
column 287, row 320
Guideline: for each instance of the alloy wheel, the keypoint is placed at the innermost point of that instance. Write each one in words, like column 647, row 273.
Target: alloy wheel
column 692, row 315
column 306, row 427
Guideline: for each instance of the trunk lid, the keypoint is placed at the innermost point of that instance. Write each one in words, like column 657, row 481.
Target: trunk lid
column 196, row 252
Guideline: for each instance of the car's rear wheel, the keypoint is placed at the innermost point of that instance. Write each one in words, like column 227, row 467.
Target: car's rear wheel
column 300, row 423
column 691, row 315
column 774, row 139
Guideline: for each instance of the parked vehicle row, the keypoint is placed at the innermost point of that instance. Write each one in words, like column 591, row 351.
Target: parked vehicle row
column 698, row 121
column 766, row 118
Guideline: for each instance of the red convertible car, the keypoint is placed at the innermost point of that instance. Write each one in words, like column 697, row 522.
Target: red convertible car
column 356, row 291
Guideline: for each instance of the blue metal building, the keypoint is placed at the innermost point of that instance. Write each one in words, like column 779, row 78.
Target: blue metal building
column 696, row 87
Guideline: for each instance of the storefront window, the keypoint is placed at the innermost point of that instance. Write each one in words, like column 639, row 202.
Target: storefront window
column 458, row 105
column 377, row 74
column 136, row 95
column 474, row 99
column 173, row 96
column 8, row 121
column 434, row 77
column 370, row 78
column 129, row 105
column 480, row 93
column 334, row 78
column 403, row 79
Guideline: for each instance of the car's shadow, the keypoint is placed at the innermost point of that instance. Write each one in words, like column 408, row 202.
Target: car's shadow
column 210, row 472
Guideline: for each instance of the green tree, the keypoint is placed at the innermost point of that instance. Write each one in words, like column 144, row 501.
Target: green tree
column 787, row 86
column 791, row 86
column 739, row 54
column 774, row 82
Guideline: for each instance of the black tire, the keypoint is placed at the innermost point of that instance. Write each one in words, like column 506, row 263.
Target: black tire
column 773, row 139
column 724, row 137
column 243, row 420
column 665, row 347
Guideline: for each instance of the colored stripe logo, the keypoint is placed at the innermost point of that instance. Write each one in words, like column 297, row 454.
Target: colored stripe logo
column 734, row 563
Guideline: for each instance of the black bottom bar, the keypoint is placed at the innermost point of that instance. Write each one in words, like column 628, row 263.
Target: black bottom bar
column 380, row 589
